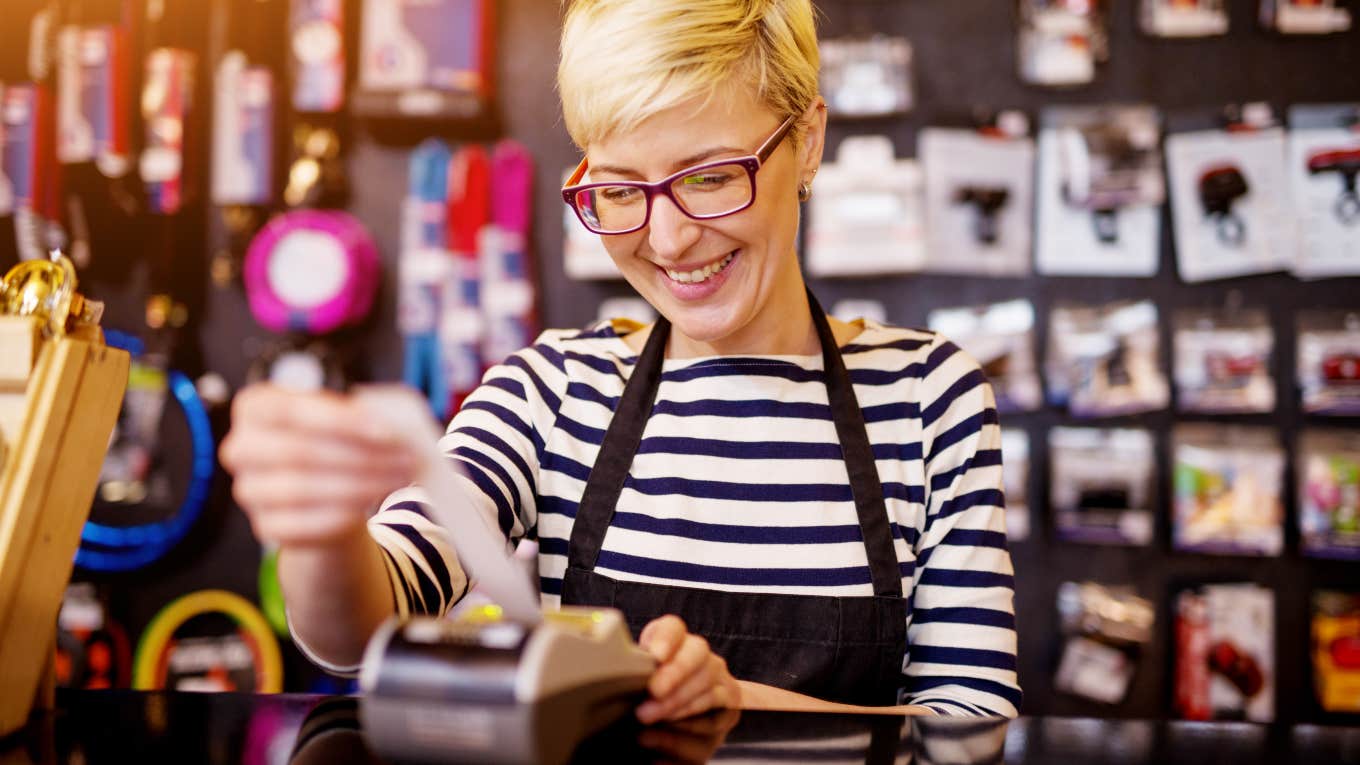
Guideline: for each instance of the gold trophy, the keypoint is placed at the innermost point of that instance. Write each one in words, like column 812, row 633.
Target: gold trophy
column 60, row 392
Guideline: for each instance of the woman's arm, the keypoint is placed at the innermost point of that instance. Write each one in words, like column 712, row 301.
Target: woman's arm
column 962, row 640
column 767, row 698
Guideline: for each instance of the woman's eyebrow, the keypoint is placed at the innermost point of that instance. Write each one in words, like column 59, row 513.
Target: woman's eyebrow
column 681, row 164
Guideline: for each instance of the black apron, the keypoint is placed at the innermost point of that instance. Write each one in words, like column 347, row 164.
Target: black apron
column 846, row 649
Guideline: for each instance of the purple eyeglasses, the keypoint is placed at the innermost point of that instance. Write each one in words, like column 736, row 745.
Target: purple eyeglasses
column 703, row 192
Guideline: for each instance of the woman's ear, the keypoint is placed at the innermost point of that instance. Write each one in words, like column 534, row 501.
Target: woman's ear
column 814, row 139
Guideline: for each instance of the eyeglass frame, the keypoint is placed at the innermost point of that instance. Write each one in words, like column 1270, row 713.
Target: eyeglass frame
column 750, row 162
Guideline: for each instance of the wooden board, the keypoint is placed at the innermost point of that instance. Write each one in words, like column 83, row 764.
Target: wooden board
column 46, row 488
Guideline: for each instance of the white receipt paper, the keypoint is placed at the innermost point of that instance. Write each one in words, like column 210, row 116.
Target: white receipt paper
column 481, row 546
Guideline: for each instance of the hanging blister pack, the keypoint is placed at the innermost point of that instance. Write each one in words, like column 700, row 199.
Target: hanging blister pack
column 979, row 190
column 166, row 100
column 1106, row 628
column 425, row 58
column 1304, row 17
column 243, row 133
column 424, row 269
column 1001, row 338
column 1104, row 360
column 1015, row 482
column 1229, row 198
column 317, row 54
column 1222, row 361
column 866, row 215
column 508, row 290
column 1225, row 653
column 1336, row 650
column 461, row 328
column 1061, row 41
column 1228, row 484
column 1100, row 190
column 866, row 77
column 1324, row 168
column 1329, row 361
column 1102, row 482
column 1329, row 494
column 23, row 113
column 1183, row 18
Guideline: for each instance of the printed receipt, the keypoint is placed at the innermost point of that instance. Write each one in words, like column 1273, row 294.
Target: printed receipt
column 480, row 545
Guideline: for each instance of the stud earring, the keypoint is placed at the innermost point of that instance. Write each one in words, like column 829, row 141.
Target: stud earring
column 804, row 191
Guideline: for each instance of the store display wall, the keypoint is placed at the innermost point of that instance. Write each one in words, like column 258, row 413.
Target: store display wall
column 964, row 59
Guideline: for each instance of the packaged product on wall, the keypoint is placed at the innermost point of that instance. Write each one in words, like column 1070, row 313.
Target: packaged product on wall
column 979, row 193
column 1061, row 41
column 433, row 58
column 1328, row 475
column 1222, row 361
column 1015, row 482
column 1228, row 485
column 866, row 77
column 1105, row 628
column 1101, row 487
column 1323, row 163
column 1230, row 199
column 1336, row 650
column 1305, row 17
column 1100, row 189
column 1000, row 337
column 1183, row 18
column 1103, row 360
column 866, row 215
column 1225, row 653
column 1329, row 361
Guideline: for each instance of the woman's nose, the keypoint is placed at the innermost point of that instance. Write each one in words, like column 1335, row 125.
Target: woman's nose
column 669, row 231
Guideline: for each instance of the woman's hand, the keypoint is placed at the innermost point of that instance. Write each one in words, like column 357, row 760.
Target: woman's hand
column 690, row 679
column 309, row 467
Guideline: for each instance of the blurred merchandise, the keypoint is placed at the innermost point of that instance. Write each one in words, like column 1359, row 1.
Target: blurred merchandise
column 1222, row 361
column 1328, row 475
column 1336, row 650
column 1000, row 337
column 1104, row 360
column 979, row 191
column 1225, row 653
column 867, row 77
column 209, row 641
column 1184, row 18
column 850, row 309
column 1015, row 482
column 426, row 59
column 1106, row 628
column 631, row 308
column 1304, row 17
column 1324, row 164
column 317, row 32
column 1329, row 361
column 1100, row 189
column 1102, row 484
column 509, row 292
column 1061, row 41
column 866, row 216
column 1228, row 484
column 92, row 650
column 1230, row 200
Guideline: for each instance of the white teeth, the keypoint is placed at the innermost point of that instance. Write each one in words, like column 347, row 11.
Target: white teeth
column 700, row 274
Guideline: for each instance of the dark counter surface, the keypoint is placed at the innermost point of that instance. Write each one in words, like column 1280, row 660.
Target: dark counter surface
column 90, row 727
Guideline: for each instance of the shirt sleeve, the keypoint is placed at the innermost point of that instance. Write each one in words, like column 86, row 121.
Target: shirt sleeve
column 497, row 441
column 961, row 636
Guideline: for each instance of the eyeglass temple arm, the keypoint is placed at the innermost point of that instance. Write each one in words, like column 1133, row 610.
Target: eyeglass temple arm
column 767, row 148
column 578, row 173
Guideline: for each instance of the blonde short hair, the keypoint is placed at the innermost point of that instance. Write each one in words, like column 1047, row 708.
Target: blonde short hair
column 625, row 60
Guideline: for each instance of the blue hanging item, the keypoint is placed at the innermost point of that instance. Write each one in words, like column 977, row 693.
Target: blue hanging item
column 105, row 547
column 425, row 262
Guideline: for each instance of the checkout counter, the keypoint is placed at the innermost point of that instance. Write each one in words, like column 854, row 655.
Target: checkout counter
column 230, row 729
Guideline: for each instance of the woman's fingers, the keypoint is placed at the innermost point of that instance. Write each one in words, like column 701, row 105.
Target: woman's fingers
column 663, row 636
column 249, row 448
column 320, row 414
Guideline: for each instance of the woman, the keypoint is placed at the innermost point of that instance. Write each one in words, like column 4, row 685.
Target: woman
column 777, row 501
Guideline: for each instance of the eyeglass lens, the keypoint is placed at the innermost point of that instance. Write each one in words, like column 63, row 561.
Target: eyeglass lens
column 707, row 192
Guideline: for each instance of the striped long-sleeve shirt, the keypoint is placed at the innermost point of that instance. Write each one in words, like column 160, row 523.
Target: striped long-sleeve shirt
column 739, row 484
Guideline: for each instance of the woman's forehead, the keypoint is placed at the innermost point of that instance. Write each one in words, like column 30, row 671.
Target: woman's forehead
column 686, row 133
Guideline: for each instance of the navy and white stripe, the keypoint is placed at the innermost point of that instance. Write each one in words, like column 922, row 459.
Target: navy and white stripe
column 739, row 485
